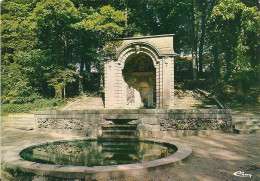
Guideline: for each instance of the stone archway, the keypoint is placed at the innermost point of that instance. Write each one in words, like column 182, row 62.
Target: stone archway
column 140, row 74
column 149, row 62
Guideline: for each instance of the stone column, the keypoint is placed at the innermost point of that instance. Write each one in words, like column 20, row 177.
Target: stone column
column 119, row 101
column 172, row 82
column 160, row 84
column 168, row 82
column 157, row 83
column 109, row 73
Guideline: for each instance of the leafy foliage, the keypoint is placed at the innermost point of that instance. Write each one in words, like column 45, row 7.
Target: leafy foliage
column 37, row 105
column 48, row 47
column 45, row 41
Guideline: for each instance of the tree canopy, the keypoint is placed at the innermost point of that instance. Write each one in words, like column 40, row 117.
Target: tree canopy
column 49, row 46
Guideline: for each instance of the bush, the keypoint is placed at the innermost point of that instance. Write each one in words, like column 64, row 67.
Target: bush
column 37, row 105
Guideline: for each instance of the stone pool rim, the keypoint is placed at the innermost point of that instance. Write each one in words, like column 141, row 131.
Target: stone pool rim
column 12, row 160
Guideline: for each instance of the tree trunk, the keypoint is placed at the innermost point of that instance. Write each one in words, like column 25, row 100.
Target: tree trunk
column 64, row 94
column 194, row 44
column 202, row 38
column 58, row 93
column 194, row 65
column 239, row 87
column 216, row 64
column 228, row 63
column 81, row 79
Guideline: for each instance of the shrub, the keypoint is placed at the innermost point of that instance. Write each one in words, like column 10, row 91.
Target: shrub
column 37, row 105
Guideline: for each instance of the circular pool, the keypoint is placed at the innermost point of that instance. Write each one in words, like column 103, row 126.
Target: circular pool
column 93, row 159
column 98, row 152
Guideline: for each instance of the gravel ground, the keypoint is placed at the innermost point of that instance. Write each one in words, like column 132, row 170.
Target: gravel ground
column 214, row 157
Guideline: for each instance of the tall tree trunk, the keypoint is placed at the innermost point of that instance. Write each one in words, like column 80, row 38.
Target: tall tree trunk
column 239, row 87
column 194, row 65
column 81, row 74
column 58, row 93
column 202, row 38
column 216, row 64
column 194, row 44
column 228, row 63
column 64, row 93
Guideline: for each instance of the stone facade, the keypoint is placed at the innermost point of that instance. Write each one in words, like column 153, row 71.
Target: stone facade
column 139, row 72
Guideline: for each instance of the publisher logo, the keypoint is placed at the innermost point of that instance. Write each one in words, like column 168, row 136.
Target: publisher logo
column 242, row 174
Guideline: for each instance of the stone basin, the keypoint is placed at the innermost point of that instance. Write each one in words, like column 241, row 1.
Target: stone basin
column 12, row 160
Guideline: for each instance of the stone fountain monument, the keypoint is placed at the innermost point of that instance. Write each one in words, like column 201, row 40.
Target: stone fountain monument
column 140, row 73
column 139, row 98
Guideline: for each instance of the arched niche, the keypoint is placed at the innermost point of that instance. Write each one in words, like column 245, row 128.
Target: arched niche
column 139, row 74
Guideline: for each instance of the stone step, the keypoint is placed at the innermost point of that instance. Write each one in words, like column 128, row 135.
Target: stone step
column 211, row 106
column 118, row 137
column 250, row 126
column 235, row 120
column 118, row 134
column 185, row 100
column 239, row 122
column 119, row 131
column 247, row 131
column 181, row 103
column 242, row 117
column 118, row 126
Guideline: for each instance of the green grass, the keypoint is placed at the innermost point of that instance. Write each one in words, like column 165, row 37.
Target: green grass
column 37, row 105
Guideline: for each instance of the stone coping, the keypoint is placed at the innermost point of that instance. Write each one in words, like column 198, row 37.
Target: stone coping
column 137, row 111
column 12, row 160
column 144, row 37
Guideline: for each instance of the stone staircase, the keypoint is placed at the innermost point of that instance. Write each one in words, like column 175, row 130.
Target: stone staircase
column 184, row 99
column 119, row 131
column 246, row 124
column 188, row 99
column 19, row 121
column 85, row 103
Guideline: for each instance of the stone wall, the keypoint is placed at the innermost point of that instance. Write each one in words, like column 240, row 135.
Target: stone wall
column 151, row 123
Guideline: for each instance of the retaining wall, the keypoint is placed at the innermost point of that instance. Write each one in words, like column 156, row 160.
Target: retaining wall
column 151, row 123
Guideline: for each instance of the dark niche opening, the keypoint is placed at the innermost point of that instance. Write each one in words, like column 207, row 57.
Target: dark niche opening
column 139, row 73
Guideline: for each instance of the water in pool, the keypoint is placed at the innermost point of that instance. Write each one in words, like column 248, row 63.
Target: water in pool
column 97, row 152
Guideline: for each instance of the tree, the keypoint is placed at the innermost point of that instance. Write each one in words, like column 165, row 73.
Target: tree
column 16, row 34
column 60, row 78
column 53, row 20
column 235, row 26
column 95, row 28
column 15, row 86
